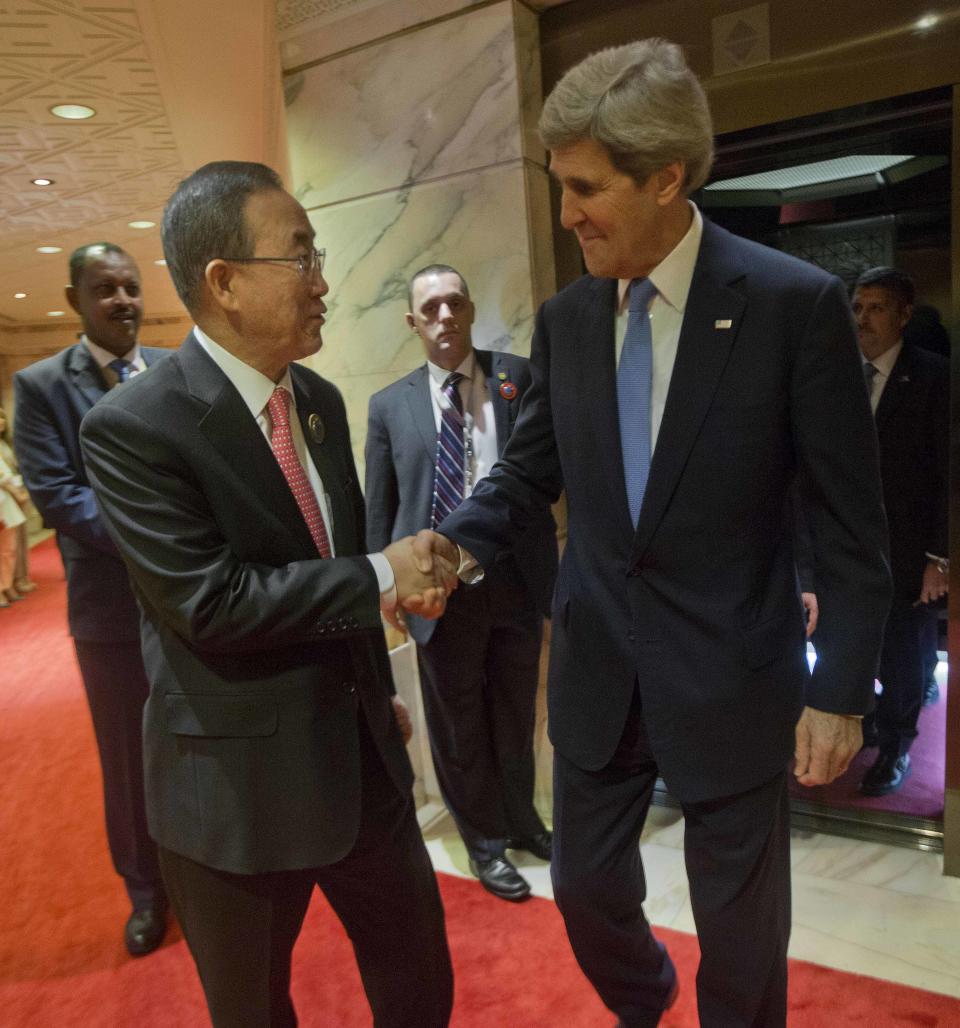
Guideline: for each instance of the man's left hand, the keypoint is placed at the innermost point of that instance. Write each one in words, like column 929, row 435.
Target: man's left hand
column 404, row 721
column 826, row 743
column 935, row 584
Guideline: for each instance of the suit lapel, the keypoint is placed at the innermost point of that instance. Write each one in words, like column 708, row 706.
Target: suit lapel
column 702, row 354
column 338, row 502
column 420, row 406
column 491, row 364
column 231, row 429
column 597, row 387
column 896, row 389
column 86, row 375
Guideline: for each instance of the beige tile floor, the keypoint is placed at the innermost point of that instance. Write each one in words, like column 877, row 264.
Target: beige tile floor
column 863, row 907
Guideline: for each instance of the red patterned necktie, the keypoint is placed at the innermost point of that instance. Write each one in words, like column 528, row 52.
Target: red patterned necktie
column 282, row 442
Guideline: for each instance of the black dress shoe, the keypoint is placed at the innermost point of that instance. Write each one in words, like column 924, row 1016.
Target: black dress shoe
column 931, row 693
column 540, row 845
column 671, row 1000
column 145, row 930
column 886, row 775
column 501, row 878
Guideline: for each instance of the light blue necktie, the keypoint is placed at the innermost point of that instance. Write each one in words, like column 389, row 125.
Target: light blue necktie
column 634, row 376
column 122, row 368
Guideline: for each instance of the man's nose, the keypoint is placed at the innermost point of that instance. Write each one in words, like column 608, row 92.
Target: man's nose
column 570, row 214
column 445, row 312
column 319, row 285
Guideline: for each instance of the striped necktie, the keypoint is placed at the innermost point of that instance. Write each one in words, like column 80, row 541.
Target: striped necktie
column 634, row 379
column 450, row 475
column 281, row 440
column 121, row 369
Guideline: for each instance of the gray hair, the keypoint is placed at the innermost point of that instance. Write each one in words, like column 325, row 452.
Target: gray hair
column 898, row 283
column 435, row 269
column 641, row 103
column 204, row 220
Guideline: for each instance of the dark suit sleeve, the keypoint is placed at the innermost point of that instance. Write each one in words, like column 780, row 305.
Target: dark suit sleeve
column 525, row 481
column 836, row 447
column 184, row 566
column 938, row 423
column 381, row 488
column 56, row 484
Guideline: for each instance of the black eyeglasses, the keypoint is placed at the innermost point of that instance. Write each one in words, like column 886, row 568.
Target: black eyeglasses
column 308, row 264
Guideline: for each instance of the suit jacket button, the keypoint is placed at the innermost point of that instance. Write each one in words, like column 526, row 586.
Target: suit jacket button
column 321, row 629
column 632, row 636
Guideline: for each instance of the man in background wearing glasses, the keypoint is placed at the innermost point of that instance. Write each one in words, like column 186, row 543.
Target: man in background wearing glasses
column 274, row 760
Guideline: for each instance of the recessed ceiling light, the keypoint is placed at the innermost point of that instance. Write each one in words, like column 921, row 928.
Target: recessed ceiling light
column 19, row 296
column 73, row 112
column 55, row 314
column 42, row 181
column 928, row 21
column 49, row 249
column 161, row 262
column 142, row 224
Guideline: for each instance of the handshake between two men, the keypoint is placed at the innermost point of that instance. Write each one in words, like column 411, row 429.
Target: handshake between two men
column 425, row 568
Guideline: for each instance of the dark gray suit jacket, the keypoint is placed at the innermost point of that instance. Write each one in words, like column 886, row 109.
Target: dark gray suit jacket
column 401, row 453
column 698, row 607
column 53, row 396
column 258, row 652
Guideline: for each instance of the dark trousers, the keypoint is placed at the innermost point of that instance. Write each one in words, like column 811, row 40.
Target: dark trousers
column 117, row 688
column 241, row 928
column 902, row 668
column 737, row 852
column 478, row 676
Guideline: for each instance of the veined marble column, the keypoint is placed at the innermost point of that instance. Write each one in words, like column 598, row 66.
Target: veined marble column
column 412, row 141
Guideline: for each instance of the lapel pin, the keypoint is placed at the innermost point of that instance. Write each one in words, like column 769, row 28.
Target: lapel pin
column 723, row 323
column 316, row 429
column 508, row 390
column 502, row 375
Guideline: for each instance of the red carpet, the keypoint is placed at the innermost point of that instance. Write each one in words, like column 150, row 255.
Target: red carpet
column 62, row 962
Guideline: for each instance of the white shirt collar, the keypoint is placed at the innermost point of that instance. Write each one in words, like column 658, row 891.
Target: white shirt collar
column 885, row 362
column 673, row 275
column 104, row 357
column 467, row 368
column 254, row 387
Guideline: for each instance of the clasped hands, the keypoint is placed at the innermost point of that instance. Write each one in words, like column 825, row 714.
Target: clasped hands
column 425, row 573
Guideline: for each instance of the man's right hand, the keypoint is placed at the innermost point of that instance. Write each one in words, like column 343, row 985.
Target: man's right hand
column 423, row 577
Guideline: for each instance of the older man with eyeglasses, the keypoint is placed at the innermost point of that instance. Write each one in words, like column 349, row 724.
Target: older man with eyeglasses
column 274, row 755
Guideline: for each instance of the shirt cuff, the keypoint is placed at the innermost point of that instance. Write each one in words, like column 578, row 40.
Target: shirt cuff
column 469, row 572
column 385, row 580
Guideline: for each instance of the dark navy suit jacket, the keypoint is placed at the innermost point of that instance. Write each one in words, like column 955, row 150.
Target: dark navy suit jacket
column 53, row 396
column 698, row 606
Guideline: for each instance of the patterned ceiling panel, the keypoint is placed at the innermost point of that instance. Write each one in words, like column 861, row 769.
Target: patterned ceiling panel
column 115, row 167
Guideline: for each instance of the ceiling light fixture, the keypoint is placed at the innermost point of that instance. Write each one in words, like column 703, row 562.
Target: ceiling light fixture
column 55, row 314
column 142, row 224
column 161, row 261
column 19, row 296
column 42, row 181
column 928, row 21
column 72, row 112
column 49, row 249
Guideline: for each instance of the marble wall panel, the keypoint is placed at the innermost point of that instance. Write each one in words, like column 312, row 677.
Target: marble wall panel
column 476, row 222
column 421, row 106
column 304, row 39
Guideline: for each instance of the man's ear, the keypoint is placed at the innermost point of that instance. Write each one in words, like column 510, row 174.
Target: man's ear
column 670, row 180
column 71, row 295
column 410, row 321
column 220, row 278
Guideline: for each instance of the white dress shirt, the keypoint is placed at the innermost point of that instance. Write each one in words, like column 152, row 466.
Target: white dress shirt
column 103, row 357
column 255, row 390
column 884, row 365
column 672, row 277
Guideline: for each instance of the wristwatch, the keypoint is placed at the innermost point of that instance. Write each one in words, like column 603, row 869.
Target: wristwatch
column 942, row 563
